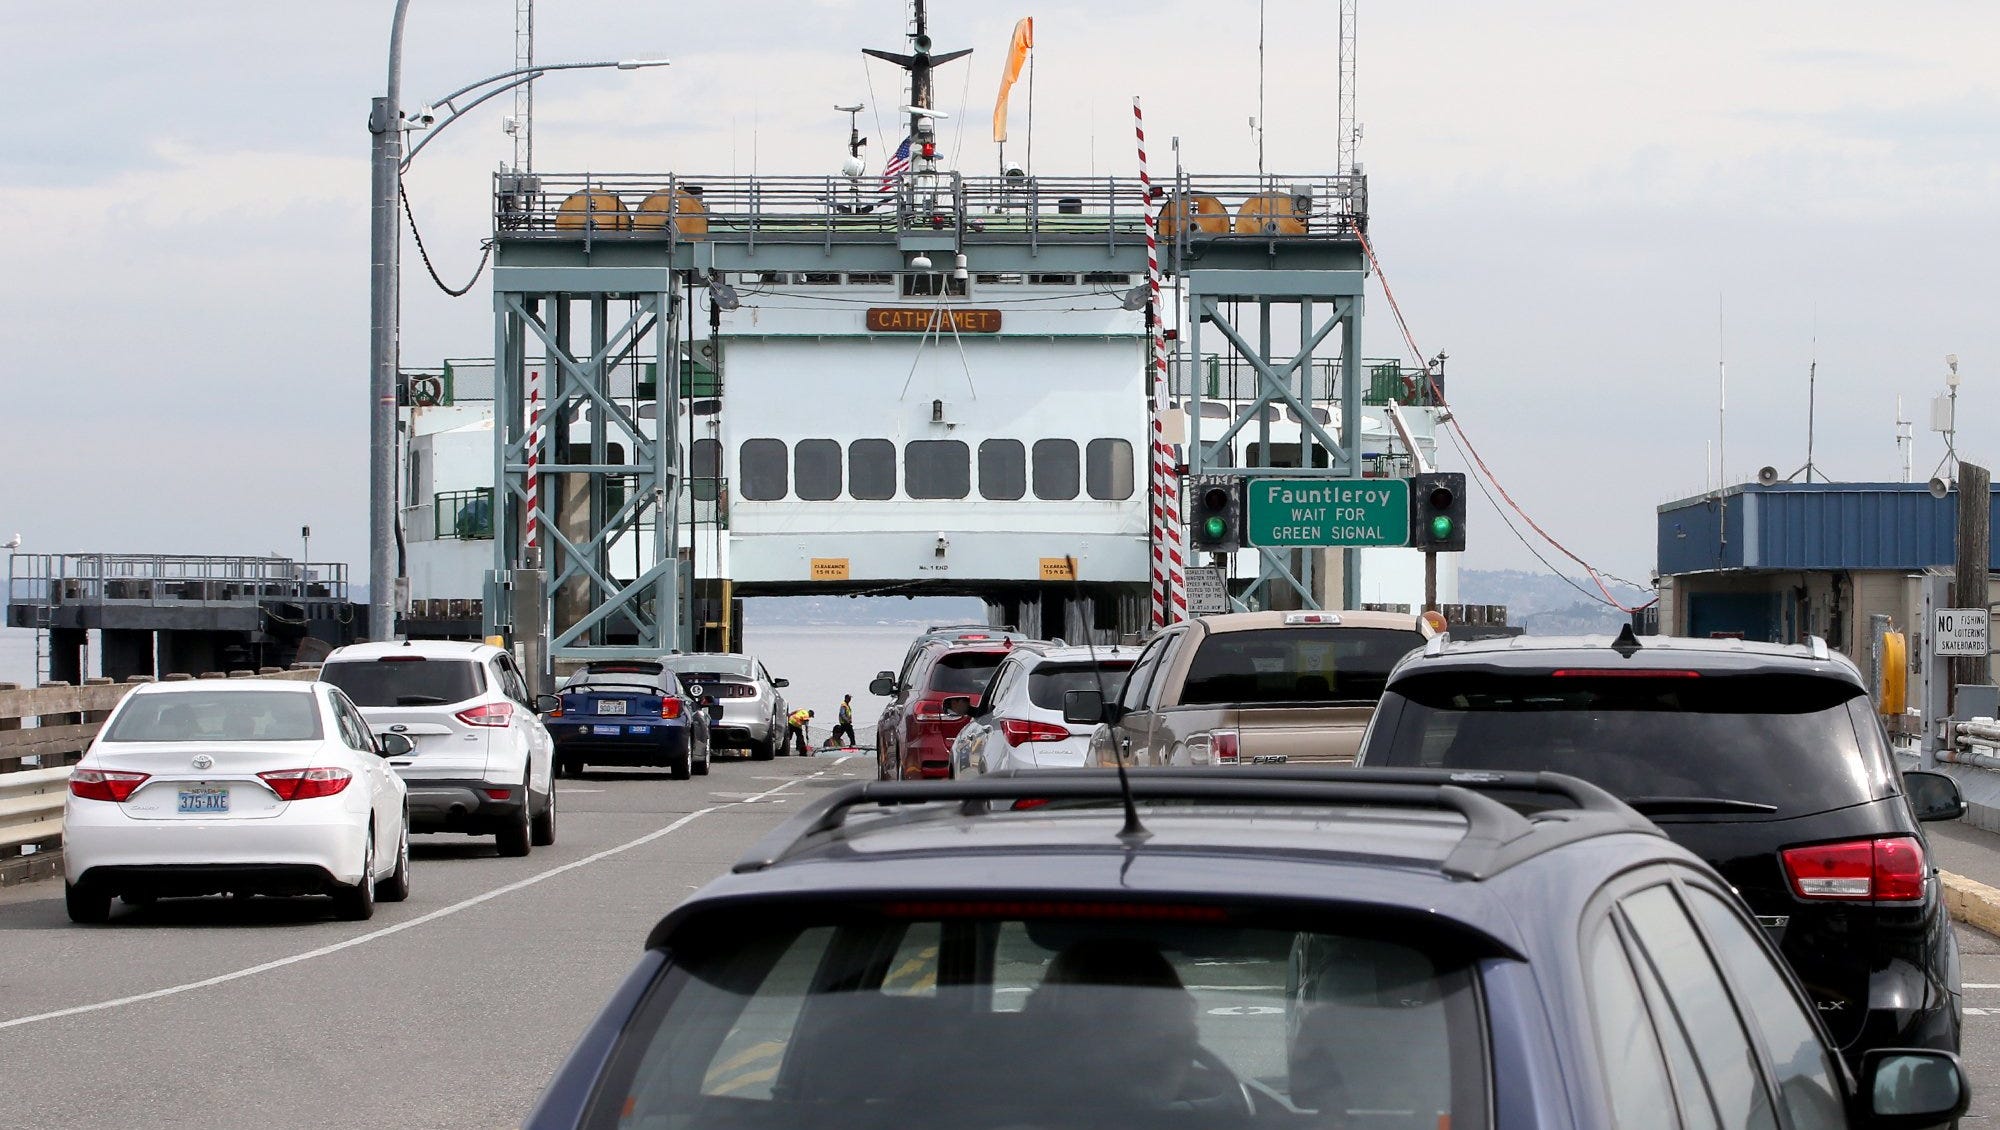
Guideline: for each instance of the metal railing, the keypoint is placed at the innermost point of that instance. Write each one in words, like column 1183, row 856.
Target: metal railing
column 463, row 515
column 652, row 206
column 52, row 579
column 1232, row 378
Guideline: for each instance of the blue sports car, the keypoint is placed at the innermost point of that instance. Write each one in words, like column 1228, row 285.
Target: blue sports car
column 629, row 712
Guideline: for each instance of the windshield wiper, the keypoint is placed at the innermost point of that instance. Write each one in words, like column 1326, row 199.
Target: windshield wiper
column 418, row 700
column 1696, row 805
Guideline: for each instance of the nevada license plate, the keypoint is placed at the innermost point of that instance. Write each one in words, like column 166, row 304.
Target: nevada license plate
column 204, row 800
column 607, row 706
column 605, row 731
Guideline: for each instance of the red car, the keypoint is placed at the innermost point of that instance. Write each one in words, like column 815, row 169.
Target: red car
column 913, row 741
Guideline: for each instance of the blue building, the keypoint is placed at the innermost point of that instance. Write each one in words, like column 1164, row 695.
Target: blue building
column 1781, row 562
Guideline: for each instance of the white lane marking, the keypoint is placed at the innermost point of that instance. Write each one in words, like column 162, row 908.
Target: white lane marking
column 1978, row 985
column 566, row 792
column 441, row 912
column 1246, row 1010
column 1982, row 1011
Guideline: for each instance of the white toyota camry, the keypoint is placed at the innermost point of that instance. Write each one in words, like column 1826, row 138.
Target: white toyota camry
column 250, row 786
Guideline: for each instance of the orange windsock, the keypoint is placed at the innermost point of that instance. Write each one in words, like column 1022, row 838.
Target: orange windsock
column 1024, row 38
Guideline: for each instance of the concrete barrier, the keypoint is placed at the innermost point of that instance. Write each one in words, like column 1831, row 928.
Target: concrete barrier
column 1972, row 902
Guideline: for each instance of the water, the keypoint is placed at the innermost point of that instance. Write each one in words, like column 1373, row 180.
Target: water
column 824, row 663
column 17, row 656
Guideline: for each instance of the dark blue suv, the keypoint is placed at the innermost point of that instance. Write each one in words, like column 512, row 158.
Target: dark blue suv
column 1327, row 950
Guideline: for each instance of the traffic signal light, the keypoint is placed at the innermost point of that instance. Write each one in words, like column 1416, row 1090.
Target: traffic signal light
column 1215, row 515
column 1437, row 512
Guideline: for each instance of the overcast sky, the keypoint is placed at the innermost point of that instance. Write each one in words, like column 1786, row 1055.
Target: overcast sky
column 1565, row 197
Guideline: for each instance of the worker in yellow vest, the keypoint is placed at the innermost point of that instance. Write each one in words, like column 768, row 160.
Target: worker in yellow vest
column 797, row 723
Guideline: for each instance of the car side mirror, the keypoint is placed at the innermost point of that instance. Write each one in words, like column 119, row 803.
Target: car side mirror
column 394, row 745
column 1088, row 708
column 548, row 704
column 883, row 685
column 1911, row 1087
column 781, row 682
column 958, row 706
column 1933, row 796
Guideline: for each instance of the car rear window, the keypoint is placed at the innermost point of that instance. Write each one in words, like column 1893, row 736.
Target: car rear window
column 1049, row 682
column 407, row 682
column 965, row 672
column 218, row 716
column 1295, row 665
column 918, row 1015
column 1794, row 743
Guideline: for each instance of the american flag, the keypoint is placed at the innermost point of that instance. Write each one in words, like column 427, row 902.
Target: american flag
column 897, row 166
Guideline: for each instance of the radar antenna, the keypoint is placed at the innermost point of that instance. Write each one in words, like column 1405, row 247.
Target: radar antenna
column 919, row 62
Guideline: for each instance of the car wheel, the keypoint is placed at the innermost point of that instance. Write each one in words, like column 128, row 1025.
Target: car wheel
column 357, row 903
column 682, row 767
column 89, row 906
column 543, row 834
column 763, row 750
column 701, row 767
column 516, row 839
column 396, row 887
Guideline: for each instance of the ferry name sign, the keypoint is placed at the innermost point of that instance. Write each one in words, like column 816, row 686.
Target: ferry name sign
column 1280, row 513
column 950, row 319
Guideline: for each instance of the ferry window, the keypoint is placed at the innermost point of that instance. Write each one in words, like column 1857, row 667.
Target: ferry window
column 1055, row 469
column 1107, row 278
column 705, row 469
column 816, row 469
column 1052, row 280
column 1003, row 470
column 1322, row 415
column 917, row 284
column 705, row 408
column 871, row 469
column 762, row 469
column 1281, row 455
column 870, row 278
column 819, row 278
column 937, row 468
column 1107, row 469
column 1210, row 410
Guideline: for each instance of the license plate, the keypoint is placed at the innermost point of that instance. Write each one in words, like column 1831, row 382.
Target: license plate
column 641, row 729
column 609, row 706
column 605, row 731
column 204, row 800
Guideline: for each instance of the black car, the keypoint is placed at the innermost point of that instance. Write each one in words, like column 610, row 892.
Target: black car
column 1767, row 761
column 630, row 712
column 1291, row 949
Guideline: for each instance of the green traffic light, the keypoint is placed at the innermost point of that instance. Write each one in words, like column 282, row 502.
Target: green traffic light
column 1441, row 528
column 1214, row 527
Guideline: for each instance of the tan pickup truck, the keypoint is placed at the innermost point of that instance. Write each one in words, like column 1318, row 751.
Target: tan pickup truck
column 1253, row 688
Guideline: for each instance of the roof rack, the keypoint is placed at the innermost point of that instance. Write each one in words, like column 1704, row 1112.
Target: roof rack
column 982, row 627
column 1496, row 837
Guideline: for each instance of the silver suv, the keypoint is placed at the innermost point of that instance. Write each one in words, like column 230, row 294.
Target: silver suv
column 482, row 760
column 1018, row 723
column 753, row 712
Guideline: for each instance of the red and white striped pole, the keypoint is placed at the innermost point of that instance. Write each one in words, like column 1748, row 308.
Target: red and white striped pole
column 531, row 528
column 1169, row 583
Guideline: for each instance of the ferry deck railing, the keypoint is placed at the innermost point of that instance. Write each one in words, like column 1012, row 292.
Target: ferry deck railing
column 693, row 208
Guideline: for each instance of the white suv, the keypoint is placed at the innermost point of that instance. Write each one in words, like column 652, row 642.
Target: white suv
column 482, row 759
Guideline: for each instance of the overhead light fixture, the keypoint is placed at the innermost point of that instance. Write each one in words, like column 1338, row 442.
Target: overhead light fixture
column 920, row 263
column 1138, row 297
column 723, row 295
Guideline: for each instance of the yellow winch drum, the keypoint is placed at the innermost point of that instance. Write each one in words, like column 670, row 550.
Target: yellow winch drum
column 1270, row 213
column 684, row 209
column 593, row 209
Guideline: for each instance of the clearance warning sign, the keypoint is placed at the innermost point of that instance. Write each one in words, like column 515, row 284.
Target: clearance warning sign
column 901, row 319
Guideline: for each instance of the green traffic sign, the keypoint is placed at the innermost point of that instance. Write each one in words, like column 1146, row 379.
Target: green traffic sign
column 1326, row 512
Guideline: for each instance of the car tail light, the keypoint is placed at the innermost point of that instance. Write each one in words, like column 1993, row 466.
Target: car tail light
column 1888, row 869
column 492, row 714
column 670, row 708
column 1019, row 730
column 305, row 784
column 105, row 784
column 929, row 710
column 1620, row 673
column 1224, row 747
column 498, row 794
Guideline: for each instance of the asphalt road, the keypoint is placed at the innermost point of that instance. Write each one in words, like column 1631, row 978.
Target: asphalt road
column 450, row 1010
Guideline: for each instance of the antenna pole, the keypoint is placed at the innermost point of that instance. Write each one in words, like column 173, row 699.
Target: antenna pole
column 1260, row 88
column 1348, row 131
column 1812, row 387
column 920, row 68
column 1721, row 404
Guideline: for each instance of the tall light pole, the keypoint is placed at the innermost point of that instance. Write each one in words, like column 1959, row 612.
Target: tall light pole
column 386, row 123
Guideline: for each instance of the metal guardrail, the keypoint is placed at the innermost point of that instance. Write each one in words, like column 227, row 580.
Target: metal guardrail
column 35, row 758
column 50, row 579
column 465, row 515
column 654, row 206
